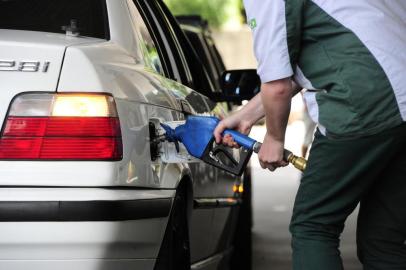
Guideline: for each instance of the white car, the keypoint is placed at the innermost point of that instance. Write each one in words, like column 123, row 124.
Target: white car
column 84, row 86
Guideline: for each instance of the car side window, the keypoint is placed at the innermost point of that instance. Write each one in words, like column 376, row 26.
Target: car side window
column 192, row 63
column 147, row 46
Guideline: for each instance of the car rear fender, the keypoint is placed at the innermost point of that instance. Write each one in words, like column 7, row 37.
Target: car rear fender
column 178, row 175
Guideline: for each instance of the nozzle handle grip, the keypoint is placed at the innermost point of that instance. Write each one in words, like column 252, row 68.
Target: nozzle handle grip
column 241, row 139
column 248, row 143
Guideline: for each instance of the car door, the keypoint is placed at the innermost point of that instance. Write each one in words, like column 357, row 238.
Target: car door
column 178, row 78
column 226, row 210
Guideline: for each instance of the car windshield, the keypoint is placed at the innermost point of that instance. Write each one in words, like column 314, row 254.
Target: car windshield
column 84, row 17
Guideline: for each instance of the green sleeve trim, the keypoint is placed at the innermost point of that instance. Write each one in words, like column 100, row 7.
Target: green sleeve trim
column 358, row 98
column 294, row 17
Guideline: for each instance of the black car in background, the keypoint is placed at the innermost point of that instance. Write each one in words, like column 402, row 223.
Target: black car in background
column 199, row 34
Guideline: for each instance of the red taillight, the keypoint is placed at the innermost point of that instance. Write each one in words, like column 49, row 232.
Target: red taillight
column 62, row 137
column 99, row 148
column 62, row 127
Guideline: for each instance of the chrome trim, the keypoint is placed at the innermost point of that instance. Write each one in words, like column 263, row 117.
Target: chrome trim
column 45, row 67
column 227, row 202
column 257, row 147
column 215, row 202
column 217, row 258
column 24, row 66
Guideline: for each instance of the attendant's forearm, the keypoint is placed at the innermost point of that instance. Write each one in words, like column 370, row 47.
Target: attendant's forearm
column 276, row 100
column 253, row 110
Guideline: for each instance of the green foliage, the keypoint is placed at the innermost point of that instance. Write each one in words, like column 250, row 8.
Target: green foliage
column 217, row 12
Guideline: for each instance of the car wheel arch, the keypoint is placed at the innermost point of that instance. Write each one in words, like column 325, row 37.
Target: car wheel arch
column 183, row 179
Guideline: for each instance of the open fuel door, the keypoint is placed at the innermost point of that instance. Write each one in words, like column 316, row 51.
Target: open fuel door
column 193, row 140
column 164, row 150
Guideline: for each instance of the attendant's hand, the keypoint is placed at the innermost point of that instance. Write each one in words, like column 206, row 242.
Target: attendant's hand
column 271, row 154
column 235, row 122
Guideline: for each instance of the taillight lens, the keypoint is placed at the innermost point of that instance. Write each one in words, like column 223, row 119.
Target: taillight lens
column 62, row 127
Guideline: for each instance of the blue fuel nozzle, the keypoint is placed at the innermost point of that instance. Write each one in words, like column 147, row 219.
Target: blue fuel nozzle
column 197, row 136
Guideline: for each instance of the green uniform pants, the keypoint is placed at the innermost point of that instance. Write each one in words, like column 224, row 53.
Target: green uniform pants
column 340, row 174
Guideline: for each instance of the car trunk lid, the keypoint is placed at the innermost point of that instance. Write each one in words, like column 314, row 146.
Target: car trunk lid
column 31, row 62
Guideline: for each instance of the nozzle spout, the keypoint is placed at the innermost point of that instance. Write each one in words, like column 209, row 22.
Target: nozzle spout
column 159, row 139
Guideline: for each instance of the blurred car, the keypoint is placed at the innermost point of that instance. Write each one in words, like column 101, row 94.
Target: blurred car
column 84, row 184
column 198, row 32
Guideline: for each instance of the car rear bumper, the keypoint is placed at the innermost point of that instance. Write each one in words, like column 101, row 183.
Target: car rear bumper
column 65, row 211
column 91, row 228
column 77, row 264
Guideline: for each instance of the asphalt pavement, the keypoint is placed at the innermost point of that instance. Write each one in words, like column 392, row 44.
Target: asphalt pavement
column 273, row 198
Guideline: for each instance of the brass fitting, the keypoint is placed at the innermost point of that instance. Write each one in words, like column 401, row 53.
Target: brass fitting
column 298, row 162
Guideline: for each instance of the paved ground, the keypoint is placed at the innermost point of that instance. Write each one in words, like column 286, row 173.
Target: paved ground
column 273, row 200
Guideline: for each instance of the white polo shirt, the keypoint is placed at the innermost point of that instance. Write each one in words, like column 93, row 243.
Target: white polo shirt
column 351, row 55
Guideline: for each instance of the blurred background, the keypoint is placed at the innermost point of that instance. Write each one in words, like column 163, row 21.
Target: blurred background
column 226, row 19
column 273, row 193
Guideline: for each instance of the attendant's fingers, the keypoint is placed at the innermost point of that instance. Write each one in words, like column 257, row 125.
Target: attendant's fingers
column 268, row 166
column 218, row 131
column 279, row 164
column 271, row 167
column 227, row 139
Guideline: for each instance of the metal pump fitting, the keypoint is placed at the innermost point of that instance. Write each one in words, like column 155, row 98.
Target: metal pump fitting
column 298, row 162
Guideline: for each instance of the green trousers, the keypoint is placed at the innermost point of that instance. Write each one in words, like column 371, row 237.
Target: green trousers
column 342, row 173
